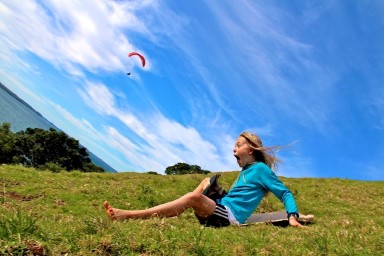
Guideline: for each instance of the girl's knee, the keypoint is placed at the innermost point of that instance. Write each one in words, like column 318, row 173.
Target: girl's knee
column 206, row 182
column 193, row 196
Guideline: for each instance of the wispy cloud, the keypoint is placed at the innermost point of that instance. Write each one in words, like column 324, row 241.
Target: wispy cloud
column 74, row 36
column 160, row 141
column 268, row 56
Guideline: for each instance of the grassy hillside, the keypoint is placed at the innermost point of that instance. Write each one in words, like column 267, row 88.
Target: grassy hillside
column 61, row 214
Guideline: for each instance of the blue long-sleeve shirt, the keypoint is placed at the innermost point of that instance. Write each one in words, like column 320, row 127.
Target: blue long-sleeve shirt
column 250, row 188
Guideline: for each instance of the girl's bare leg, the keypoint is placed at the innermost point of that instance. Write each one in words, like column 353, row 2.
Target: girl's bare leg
column 202, row 205
column 203, row 184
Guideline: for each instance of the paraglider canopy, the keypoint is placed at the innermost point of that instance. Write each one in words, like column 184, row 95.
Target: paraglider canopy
column 140, row 56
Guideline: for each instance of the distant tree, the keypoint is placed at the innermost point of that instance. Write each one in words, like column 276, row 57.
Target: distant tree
column 90, row 167
column 184, row 168
column 7, row 144
column 40, row 148
column 197, row 169
column 51, row 167
column 152, row 172
column 37, row 147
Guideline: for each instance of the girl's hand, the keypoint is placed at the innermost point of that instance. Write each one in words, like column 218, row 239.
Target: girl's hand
column 293, row 222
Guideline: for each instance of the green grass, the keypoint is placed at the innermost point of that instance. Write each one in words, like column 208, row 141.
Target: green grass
column 61, row 213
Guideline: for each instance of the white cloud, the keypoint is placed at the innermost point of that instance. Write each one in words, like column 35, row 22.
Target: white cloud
column 99, row 98
column 74, row 35
column 160, row 141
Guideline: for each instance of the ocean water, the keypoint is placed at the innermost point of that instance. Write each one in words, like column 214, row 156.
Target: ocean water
column 20, row 115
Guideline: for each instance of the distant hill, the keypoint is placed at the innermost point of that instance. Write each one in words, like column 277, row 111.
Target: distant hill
column 21, row 115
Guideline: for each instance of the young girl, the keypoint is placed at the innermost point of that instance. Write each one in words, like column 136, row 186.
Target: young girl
column 254, row 181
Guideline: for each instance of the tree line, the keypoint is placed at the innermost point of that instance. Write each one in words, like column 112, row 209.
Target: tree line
column 44, row 149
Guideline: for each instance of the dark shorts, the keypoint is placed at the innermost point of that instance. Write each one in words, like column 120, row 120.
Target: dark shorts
column 219, row 218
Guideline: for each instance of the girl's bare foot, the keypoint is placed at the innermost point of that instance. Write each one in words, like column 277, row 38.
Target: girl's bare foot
column 109, row 211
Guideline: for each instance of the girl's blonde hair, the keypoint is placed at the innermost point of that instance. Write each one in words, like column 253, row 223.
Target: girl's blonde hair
column 261, row 153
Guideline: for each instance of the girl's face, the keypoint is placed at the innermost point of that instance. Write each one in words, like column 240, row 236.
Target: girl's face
column 243, row 152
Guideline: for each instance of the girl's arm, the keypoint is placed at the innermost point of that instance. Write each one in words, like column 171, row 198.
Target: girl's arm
column 273, row 184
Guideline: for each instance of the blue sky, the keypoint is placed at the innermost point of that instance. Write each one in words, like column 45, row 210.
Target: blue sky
column 310, row 73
